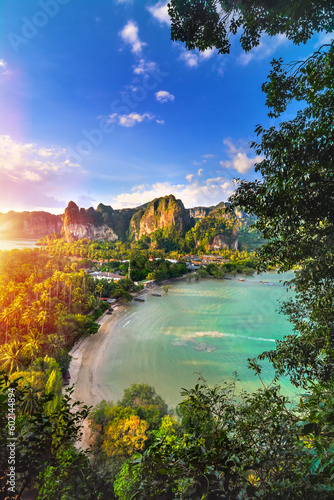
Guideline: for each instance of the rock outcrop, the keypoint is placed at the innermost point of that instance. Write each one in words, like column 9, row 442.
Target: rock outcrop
column 29, row 224
column 86, row 224
column 161, row 213
column 209, row 227
column 197, row 213
column 216, row 231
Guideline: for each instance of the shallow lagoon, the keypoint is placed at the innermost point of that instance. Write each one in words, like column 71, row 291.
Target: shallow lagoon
column 208, row 326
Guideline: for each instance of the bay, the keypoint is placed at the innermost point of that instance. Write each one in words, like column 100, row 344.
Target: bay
column 17, row 243
column 208, row 326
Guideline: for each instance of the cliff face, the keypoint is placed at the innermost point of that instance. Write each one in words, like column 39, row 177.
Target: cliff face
column 197, row 213
column 217, row 230
column 161, row 213
column 75, row 231
column 209, row 227
column 221, row 241
column 87, row 224
column 29, row 224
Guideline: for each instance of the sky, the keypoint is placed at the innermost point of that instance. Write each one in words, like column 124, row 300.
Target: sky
column 98, row 105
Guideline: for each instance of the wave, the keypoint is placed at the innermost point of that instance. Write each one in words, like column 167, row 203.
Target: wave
column 221, row 334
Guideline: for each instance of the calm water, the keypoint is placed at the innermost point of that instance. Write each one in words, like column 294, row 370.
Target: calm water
column 210, row 326
column 18, row 243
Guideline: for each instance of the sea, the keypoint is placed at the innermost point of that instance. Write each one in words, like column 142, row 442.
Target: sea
column 208, row 327
column 18, row 243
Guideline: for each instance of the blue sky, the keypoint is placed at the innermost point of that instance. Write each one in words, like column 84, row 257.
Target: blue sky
column 98, row 105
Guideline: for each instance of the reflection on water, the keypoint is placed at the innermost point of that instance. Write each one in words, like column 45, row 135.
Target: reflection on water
column 18, row 243
column 209, row 326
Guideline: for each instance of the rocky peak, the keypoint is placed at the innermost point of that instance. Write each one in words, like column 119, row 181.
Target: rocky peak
column 161, row 213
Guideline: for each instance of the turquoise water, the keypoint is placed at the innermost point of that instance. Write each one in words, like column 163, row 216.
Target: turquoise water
column 18, row 243
column 209, row 326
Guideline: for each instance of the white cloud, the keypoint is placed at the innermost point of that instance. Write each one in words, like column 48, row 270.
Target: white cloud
column 323, row 39
column 206, row 54
column 143, row 67
column 238, row 158
column 206, row 193
column 160, row 122
column 208, row 156
column 129, row 120
column 190, row 58
column 268, row 45
column 3, row 68
column 189, row 177
column 164, row 96
column 200, row 172
column 124, row 1
column 194, row 57
column 160, row 12
column 32, row 177
column 129, row 34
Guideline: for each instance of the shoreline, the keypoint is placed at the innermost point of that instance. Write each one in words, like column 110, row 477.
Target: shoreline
column 86, row 354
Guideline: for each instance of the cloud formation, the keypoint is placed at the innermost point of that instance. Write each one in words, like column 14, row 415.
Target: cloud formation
column 144, row 67
column 129, row 120
column 239, row 159
column 199, row 192
column 267, row 47
column 160, row 12
column 189, row 58
column 3, row 68
column 33, row 176
column 164, row 96
column 129, row 35
column 194, row 57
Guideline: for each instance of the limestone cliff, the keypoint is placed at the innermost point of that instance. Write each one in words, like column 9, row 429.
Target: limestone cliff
column 161, row 213
column 197, row 213
column 29, row 224
column 216, row 231
column 208, row 227
column 86, row 224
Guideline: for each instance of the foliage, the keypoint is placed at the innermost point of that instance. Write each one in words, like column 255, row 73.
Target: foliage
column 211, row 23
column 294, row 208
column 148, row 404
column 40, row 435
column 125, row 435
column 217, row 223
column 253, row 448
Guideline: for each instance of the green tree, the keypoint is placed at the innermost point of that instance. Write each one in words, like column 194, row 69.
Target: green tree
column 211, row 23
column 293, row 204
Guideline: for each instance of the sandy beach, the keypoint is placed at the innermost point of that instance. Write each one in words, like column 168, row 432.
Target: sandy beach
column 86, row 354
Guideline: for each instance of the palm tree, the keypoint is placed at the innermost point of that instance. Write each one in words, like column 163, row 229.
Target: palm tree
column 27, row 318
column 6, row 316
column 41, row 318
column 55, row 344
column 33, row 342
column 29, row 402
column 11, row 356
